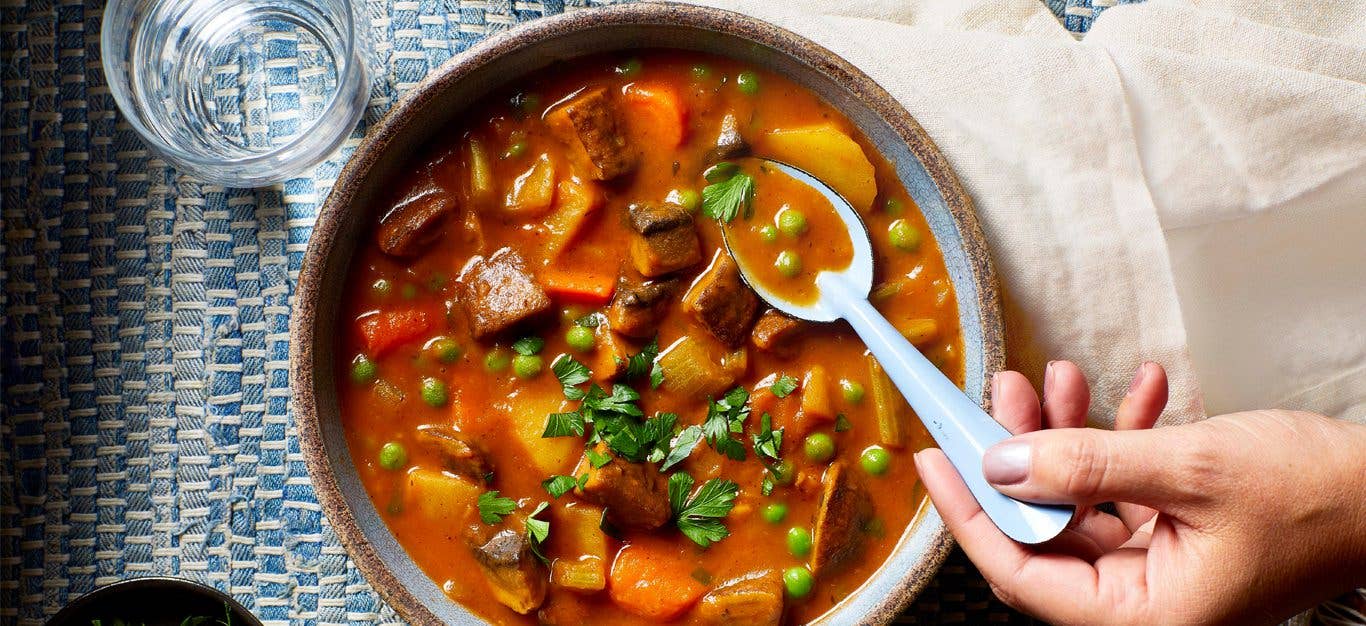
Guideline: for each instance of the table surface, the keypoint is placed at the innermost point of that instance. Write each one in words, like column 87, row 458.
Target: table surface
column 145, row 425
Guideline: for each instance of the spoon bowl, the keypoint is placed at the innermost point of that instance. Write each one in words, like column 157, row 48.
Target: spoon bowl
column 961, row 428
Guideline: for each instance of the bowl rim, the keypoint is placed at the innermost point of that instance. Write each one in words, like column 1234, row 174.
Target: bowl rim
column 171, row 583
column 330, row 220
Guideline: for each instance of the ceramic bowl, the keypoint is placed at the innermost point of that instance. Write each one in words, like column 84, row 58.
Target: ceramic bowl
column 438, row 102
column 154, row 600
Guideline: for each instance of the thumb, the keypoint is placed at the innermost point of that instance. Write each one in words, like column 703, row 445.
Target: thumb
column 1088, row 466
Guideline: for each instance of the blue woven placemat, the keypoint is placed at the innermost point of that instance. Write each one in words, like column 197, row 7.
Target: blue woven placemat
column 145, row 425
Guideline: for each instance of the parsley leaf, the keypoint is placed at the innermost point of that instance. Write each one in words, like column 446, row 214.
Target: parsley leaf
column 784, row 386
column 492, row 507
column 656, row 375
column 768, row 443
column 564, row 425
column 682, row 446
column 571, row 374
column 842, row 423
column 726, row 416
column 592, row 320
column 528, row 346
column 699, row 517
column 640, row 363
column 537, row 531
column 597, row 459
column 723, row 200
column 655, row 435
column 557, row 485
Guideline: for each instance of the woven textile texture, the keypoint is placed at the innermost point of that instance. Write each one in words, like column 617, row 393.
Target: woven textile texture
column 145, row 425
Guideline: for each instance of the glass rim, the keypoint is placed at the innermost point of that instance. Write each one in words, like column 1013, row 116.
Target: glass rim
column 121, row 91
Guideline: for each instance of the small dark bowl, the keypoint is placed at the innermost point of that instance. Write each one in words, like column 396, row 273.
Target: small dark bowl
column 153, row 600
column 438, row 102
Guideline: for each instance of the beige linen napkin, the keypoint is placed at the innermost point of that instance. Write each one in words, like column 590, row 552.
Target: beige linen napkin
column 1186, row 184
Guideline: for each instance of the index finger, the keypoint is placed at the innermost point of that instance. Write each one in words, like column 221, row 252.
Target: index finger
column 1054, row 587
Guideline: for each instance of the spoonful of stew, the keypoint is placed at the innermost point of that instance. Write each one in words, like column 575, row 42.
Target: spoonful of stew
column 830, row 280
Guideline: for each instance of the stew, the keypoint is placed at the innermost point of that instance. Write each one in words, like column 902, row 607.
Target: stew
column 563, row 399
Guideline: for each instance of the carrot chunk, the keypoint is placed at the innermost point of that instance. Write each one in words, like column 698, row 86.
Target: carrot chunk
column 652, row 579
column 655, row 112
column 574, row 286
column 384, row 330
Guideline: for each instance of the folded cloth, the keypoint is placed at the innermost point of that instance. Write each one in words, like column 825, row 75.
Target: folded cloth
column 1186, row 184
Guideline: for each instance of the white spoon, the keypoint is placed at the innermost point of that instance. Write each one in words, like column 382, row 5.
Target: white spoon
column 961, row 428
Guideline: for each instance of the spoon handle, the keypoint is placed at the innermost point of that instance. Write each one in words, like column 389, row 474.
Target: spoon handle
column 961, row 428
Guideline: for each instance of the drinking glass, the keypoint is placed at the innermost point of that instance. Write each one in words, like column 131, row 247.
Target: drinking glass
column 239, row 92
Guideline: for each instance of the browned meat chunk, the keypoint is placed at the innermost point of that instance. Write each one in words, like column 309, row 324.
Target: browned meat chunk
column 775, row 332
column 590, row 121
column 755, row 599
column 634, row 494
column 637, row 306
column 415, row 221
column 721, row 301
column 497, row 292
column 460, row 453
column 665, row 238
column 843, row 510
column 516, row 577
column 729, row 143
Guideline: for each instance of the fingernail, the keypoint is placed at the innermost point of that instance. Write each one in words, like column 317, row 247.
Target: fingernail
column 1138, row 376
column 1048, row 378
column 1006, row 463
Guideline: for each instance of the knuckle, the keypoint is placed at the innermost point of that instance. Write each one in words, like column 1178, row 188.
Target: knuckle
column 1085, row 465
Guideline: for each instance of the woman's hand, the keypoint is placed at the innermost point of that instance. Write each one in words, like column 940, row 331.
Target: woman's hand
column 1241, row 518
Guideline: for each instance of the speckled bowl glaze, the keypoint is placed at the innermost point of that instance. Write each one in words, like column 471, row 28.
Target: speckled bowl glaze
column 439, row 100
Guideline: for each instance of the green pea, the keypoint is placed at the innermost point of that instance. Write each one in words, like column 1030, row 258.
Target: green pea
column 700, row 71
column 875, row 460
column 363, row 370
column 747, row 82
column 382, row 287
column 527, row 365
column 518, row 148
column 689, row 198
column 784, row 473
column 788, row 263
column 852, row 391
column 409, row 291
column 774, row 512
column 629, row 67
column 799, row 541
column 393, row 456
column 768, row 233
column 819, row 447
column 798, row 582
column 498, row 359
column 792, row 222
column 444, row 349
column 434, row 392
column 903, row 236
column 580, row 338
column 892, row 207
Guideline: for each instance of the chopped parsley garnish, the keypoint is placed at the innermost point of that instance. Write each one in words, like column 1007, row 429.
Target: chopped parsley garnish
column 528, row 346
column 563, row 425
column 571, row 374
column 682, row 446
column 656, row 432
column 537, row 531
column 592, row 320
column 492, row 507
column 641, row 363
column 784, row 386
column 699, row 517
column 557, row 485
column 728, row 197
column 597, row 459
column 768, row 443
column 656, row 375
column 842, row 423
column 724, row 417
